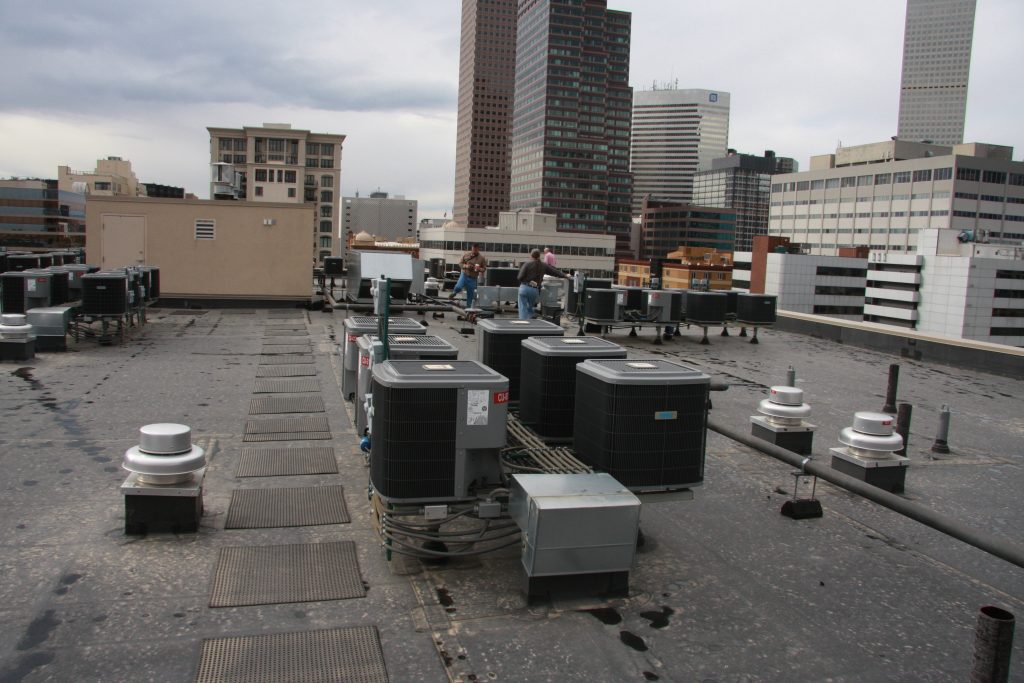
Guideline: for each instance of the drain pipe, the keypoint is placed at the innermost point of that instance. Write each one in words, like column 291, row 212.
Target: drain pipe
column 993, row 643
column 368, row 308
column 990, row 543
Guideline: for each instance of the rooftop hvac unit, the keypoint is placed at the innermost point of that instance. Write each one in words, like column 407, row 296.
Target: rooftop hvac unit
column 642, row 421
column 756, row 309
column 600, row 304
column 59, row 285
column 629, row 299
column 730, row 304
column 334, row 265
column 105, row 293
column 406, row 274
column 438, row 427
column 599, row 283
column 13, row 285
column 500, row 345
column 705, row 308
column 153, row 286
column 501, row 277
column 400, row 347
column 435, row 268
column 20, row 262
column 487, row 297
column 547, row 385
column 3, row 263
column 356, row 327
column 676, row 306
column 45, row 260
column 658, row 305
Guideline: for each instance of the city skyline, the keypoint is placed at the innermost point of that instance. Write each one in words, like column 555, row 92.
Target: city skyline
column 101, row 81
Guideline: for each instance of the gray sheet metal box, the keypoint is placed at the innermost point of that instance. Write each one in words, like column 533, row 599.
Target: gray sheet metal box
column 50, row 321
column 574, row 523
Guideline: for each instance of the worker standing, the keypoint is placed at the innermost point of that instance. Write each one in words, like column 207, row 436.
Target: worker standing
column 473, row 265
column 549, row 257
column 531, row 275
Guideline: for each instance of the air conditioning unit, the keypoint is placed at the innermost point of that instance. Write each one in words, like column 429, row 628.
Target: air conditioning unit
column 438, row 428
column 756, row 309
column 400, row 347
column 599, row 304
column 60, row 285
column 706, row 308
column 642, row 421
column 20, row 262
column 501, row 277
column 13, row 285
column 334, row 266
column 500, row 345
column 357, row 326
column 39, row 286
column 105, row 293
column 547, row 384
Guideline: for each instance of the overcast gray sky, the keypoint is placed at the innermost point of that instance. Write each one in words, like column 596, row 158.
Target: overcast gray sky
column 84, row 80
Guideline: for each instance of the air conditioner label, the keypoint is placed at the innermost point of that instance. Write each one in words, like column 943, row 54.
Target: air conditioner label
column 352, row 338
column 666, row 415
column 477, row 401
column 364, row 361
column 500, row 397
column 30, row 284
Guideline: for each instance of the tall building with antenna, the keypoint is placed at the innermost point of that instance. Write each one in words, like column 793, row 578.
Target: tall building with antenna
column 937, row 44
column 675, row 132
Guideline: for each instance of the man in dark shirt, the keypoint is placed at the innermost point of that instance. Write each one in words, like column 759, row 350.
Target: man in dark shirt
column 531, row 275
column 473, row 265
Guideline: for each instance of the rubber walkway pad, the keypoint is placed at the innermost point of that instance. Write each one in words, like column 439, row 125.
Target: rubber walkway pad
column 285, row 341
column 285, row 371
column 282, row 462
column 283, row 507
column 296, row 404
column 287, row 429
column 271, row 359
column 276, row 574
column 286, row 386
column 286, row 334
column 281, row 348
column 336, row 654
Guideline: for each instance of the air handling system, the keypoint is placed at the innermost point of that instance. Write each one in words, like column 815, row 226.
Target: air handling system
column 500, row 345
column 642, row 421
column 438, row 427
column 405, row 273
column 356, row 327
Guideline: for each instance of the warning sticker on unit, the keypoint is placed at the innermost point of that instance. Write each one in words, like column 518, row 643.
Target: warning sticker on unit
column 666, row 415
column 31, row 283
column 364, row 361
column 477, row 401
column 352, row 338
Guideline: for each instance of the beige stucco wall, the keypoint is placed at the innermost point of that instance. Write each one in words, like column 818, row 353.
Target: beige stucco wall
column 246, row 259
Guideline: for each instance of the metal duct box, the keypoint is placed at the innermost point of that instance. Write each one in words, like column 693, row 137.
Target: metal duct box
column 547, row 384
column 405, row 272
column 642, row 421
column 500, row 345
column 438, row 428
column 574, row 523
column 50, row 325
column 357, row 326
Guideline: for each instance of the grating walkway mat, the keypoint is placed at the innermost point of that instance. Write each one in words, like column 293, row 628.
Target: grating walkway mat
column 238, row 311
column 282, row 348
column 287, row 429
column 282, row 462
column 272, row 359
column 275, row 574
column 274, row 334
column 285, row 371
column 189, row 312
column 336, row 654
column 283, row 507
column 297, row 404
column 285, row 341
column 287, row 386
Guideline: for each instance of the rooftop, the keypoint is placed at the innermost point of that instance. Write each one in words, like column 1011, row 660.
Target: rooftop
column 724, row 588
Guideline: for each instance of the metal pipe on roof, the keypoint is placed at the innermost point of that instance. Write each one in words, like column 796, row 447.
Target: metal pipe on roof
column 994, row 545
column 368, row 308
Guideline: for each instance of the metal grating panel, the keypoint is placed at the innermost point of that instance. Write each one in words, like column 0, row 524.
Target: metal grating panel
column 275, row 574
column 189, row 312
column 285, row 341
column 237, row 311
column 269, row 349
column 273, row 333
column 324, row 656
column 272, row 359
column 285, row 371
column 285, row 326
column 281, row 462
column 296, row 404
column 287, row 436
column 284, row 507
column 286, row 386
column 287, row 425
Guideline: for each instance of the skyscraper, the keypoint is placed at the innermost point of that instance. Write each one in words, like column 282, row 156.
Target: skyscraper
column 570, row 129
column 936, row 65
column 487, row 68
column 675, row 133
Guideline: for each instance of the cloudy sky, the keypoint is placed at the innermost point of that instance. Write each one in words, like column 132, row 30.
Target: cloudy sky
column 85, row 80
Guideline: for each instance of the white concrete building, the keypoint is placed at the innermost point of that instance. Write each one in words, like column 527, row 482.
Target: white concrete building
column 882, row 195
column 674, row 133
column 384, row 217
column 823, row 285
column 516, row 234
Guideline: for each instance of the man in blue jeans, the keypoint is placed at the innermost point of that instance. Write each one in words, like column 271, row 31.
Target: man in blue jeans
column 531, row 275
column 473, row 265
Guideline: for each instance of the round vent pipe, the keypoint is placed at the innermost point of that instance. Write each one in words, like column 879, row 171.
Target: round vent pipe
column 871, row 436
column 13, row 327
column 784, row 406
column 165, row 455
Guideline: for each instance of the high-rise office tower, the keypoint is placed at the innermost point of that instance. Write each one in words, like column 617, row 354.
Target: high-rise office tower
column 487, row 69
column 675, row 133
column 742, row 182
column 936, row 65
column 570, row 128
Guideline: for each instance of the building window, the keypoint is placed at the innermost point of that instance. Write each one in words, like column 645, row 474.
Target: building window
column 261, row 175
column 327, row 163
column 258, row 190
column 921, row 176
column 831, row 183
column 326, row 226
column 863, row 180
column 312, row 149
column 289, row 176
column 310, row 180
column 904, row 176
column 226, row 144
column 326, row 211
column 327, row 196
column 326, row 181
column 205, row 228
column 943, row 173
column 997, row 177
column 101, row 185
column 971, row 174
column 291, row 192
column 240, row 144
column 1017, row 179
column 239, row 158
column 326, row 150
column 883, row 178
